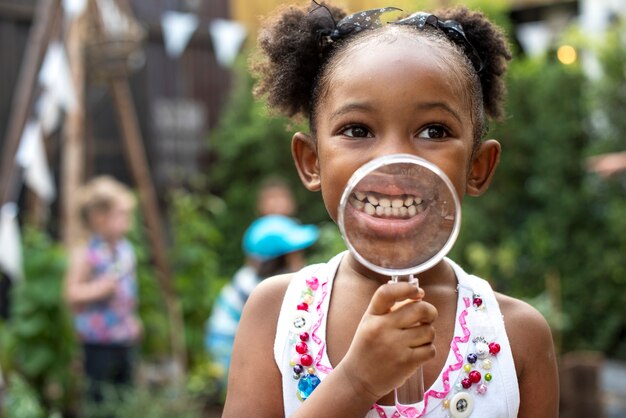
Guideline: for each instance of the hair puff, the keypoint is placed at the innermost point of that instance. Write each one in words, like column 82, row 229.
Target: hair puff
column 292, row 58
column 490, row 42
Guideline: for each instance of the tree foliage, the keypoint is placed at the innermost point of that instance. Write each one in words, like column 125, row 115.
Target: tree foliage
column 250, row 145
column 546, row 223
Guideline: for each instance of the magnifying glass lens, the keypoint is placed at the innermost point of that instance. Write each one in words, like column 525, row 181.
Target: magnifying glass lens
column 399, row 215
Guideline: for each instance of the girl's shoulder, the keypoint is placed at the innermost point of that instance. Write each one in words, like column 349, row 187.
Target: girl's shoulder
column 520, row 312
column 274, row 288
column 271, row 294
column 534, row 356
column 528, row 331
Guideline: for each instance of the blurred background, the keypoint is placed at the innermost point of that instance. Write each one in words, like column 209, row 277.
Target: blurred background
column 157, row 95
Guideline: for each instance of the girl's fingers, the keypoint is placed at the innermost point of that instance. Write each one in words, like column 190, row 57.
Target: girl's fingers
column 421, row 336
column 411, row 313
column 388, row 294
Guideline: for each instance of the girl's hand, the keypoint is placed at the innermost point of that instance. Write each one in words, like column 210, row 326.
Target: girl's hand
column 392, row 339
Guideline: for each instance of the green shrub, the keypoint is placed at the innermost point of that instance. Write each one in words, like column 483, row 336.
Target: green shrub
column 38, row 340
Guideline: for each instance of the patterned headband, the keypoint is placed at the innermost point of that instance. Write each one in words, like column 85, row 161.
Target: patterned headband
column 328, row 31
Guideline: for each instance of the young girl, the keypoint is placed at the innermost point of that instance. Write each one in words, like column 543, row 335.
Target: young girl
column 101, row 285
column 330, row 340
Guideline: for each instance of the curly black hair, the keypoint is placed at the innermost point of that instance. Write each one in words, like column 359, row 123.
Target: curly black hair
column 293, row 62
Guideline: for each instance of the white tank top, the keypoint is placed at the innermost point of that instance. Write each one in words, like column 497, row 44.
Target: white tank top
column 478, row 378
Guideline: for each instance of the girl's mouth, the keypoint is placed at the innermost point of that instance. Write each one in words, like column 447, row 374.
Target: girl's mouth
column 380, row 205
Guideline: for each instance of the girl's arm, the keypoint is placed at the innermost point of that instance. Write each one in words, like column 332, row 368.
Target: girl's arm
column 79, row 290
column 387, row 347
column 254, row 381
column 535, row 359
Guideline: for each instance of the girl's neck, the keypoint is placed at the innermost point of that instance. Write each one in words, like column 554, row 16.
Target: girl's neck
column 442, row 274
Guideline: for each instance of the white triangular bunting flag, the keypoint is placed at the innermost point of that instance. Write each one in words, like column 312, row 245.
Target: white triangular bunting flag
column 28, row 143
column 49, row 112
column 227, row 37
column 31, row 155
column 56, row 77
column 10, row 242
column 535, row 38
column 178, row 28
column 74, row 8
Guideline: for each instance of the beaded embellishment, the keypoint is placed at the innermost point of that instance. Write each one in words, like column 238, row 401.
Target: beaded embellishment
column 477, row 371
column 303, row 363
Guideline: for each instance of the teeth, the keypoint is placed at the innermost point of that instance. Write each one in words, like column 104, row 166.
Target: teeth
column 357, row 203
column 397, row 207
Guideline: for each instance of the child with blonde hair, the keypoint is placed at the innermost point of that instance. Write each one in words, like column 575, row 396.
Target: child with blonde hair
column 101, row 286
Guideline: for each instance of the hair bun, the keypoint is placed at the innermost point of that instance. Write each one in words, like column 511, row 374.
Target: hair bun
column 490, row 42
column 290, row 42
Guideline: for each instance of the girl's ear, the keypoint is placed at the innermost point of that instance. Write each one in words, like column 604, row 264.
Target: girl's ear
column 483, row 167
column 304, row 154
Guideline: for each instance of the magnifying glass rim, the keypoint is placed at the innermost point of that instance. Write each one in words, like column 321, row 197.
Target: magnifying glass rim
column 372, row 166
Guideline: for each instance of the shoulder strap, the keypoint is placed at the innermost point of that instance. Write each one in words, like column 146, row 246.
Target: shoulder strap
column 289, row 301
column 496, row 325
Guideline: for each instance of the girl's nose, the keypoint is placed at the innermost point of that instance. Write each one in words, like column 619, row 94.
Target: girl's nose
column 395, row 143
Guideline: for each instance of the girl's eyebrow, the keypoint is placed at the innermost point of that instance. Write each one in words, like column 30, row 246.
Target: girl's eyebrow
column 439, row 105
column 366, row 107
column 350, row 107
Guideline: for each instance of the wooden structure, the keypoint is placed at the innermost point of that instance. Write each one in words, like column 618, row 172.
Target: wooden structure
column 78, row 155
column 194, row 84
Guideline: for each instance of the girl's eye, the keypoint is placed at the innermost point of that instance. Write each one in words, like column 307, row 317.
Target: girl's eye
column 357, row 132
column 434, row 132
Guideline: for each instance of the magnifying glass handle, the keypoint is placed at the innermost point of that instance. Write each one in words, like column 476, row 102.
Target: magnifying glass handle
column 412, row 391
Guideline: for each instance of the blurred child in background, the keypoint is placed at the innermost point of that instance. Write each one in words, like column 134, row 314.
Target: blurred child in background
column 276, row 244
column 275, row 198
column 101, row 288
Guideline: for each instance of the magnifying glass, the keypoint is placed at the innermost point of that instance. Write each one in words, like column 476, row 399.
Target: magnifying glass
column 399, row 216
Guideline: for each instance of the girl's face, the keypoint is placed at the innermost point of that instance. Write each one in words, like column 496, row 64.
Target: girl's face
column 276, row 200
column 113, row 224
column 401, row 96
